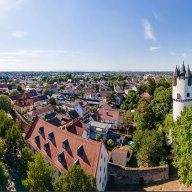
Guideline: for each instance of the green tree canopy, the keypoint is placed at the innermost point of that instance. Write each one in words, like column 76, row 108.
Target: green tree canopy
column 75, row 180
column 182, row 146
column 5, row 103
column 162, row 104
column 111, row 97
column 144, row 116
column 47, row 91
column 150, row 148
column 13, row 92
column 32, row 85
column 5, row 123
column 130, row 101
column 26, row 156
column 151, row 85
column 14, row 139
column 142, row 88
column 52, row 101
column 19, row 88
column 39, row 176
column 3, row 175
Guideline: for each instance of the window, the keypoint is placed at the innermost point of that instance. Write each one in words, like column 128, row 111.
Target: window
column 100, row 168
column 61, row 157
column 103, row 184
column 101, row 155
column 105, row 177
column 100, row 180
column 51, row 135
column 65, row 143
column 188, row 94
column 80, row 151
column 104, row 159
column 104, row 169
column 178, row 96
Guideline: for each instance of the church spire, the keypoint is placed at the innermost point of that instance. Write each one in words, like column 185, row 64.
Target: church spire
column 176, row 72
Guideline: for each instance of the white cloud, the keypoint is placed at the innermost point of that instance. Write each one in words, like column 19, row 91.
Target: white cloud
column 8, row 5
column 148, row 30
column 154, row 48
column 41, row 52
column 19, row 34
column 185, row 54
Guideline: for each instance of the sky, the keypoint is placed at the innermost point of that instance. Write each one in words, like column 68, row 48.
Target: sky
column 95, row 35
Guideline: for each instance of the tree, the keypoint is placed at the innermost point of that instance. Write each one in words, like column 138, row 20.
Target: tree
column 162, row 104
column 82, row 92
column 98, row 137
column 131, row 100
column 47, row 91
column 26, row 156
column 24, row 96
column 168, row 124
column 111, row 97
column 68, row 76
column 75, row 180
column 151, row 85
column 40, row 175
column 5, row 103
column 128, row 120
column 3, row 175
column 19, row 88
column 52, row 101
column 181, row 144
column 142, row 88
column 3, row 149
column 32, row 85
column 150, row 148
column 144, row 116
column 5, row 123
column 110, row 143
column 14, row 139
column 14, row 92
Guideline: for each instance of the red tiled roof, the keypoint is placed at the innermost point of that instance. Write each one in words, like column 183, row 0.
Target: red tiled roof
column 76, row 128
column 108, row 114
column 24, row 102
column 82, row 103
column 88, row 161
column 145, row 95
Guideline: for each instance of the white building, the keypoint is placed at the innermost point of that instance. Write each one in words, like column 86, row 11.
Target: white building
column 63, row 149
column 182, row 90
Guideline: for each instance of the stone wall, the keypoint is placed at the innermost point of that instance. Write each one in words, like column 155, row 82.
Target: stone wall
column 125, row 175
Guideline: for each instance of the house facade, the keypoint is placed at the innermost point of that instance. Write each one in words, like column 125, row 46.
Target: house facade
column 62, row 149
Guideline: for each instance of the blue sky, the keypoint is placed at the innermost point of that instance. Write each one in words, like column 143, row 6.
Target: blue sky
column 95, row 35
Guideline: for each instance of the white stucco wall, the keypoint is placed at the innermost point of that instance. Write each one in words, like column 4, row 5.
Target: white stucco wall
column 101, row 177
column 181, row 88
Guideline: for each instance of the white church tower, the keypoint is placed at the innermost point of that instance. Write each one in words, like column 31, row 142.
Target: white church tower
column 182, row 90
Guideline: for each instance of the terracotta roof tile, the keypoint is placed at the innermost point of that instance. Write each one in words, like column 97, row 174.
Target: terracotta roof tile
column 88, row 161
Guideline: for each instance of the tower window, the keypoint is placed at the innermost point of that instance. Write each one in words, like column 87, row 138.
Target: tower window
column 178, row 96
column 188, row 94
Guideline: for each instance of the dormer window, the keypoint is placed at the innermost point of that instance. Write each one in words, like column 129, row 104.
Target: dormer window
column 80, row 151
column 61, row 157
column 77, row 162
column 41, row 130
column 51, row 136
column 37, row 139
column 46, row 147
column 65, row 144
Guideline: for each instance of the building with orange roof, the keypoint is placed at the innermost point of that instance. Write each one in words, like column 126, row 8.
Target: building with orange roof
column 62, row 149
